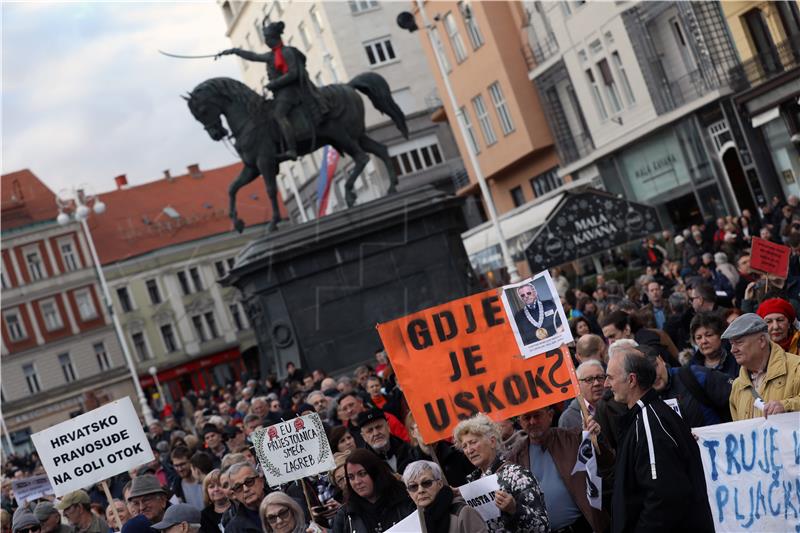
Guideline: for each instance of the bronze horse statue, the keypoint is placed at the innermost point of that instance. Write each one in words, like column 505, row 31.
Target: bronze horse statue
column 258, row 138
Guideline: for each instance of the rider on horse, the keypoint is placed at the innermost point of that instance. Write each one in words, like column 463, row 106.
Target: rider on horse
column 289, row 84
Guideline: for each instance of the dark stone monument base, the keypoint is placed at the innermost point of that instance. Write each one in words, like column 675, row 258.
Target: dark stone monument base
column 315, row 291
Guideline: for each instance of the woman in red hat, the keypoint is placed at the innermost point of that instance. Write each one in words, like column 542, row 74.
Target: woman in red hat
column 780, row 317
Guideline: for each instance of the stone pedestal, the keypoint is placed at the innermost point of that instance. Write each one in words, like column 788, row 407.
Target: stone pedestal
column 315, row 291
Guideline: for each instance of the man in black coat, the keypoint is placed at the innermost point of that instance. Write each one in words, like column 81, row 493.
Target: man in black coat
column 659, row 484
column 539, row 319
column 376, row 433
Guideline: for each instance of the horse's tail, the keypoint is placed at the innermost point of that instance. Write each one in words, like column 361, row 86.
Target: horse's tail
column 377, row 90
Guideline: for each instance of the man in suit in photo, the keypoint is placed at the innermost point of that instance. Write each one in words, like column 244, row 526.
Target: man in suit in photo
column 538, row 319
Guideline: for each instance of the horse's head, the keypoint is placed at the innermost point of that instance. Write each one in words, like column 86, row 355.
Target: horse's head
column 208, row 113
column 213, row 98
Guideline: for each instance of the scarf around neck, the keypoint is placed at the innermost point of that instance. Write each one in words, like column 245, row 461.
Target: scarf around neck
column 437, row 514
column 280, row 61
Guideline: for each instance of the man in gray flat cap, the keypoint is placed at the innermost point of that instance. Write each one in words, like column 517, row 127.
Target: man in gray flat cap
column 180, row 518
column 77, row 509
column 50, row 519
column 769, row 378
column 25, row 522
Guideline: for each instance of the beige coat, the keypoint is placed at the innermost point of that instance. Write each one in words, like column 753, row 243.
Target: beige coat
column 466, row 521
column 782, row 383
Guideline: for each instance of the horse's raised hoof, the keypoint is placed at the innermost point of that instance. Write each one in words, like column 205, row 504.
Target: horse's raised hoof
column 350, row 197
column 238, row 224
column 273, row 225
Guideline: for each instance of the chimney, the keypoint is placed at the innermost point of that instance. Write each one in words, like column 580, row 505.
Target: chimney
column 121, row 181
column 167, row 175
column 194, row 171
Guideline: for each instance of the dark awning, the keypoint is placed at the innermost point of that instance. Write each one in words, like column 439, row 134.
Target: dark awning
column 587, row 222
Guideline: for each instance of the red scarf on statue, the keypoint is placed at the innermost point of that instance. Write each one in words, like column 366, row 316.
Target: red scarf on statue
column 280, row 61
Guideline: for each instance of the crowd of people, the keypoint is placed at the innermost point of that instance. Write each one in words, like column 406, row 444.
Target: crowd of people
column 697, row 339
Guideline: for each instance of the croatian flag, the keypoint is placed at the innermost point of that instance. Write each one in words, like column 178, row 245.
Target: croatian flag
column 330, row 158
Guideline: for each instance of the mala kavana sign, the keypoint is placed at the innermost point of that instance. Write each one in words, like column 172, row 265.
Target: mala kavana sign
column 293, row 449
column 586, row 223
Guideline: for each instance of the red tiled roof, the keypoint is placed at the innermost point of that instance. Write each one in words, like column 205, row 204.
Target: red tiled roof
column 135, row 221
column 25, row 200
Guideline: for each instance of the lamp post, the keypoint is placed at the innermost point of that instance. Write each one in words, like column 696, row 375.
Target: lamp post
column 408, row 24
column 153, row 371
column 79, row 209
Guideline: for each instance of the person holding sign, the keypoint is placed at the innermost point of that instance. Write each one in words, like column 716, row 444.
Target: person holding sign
column 769, row 378
column 519, row 499
column 375, row 499
column 439, row 509
column 659, row 483
column 76, row 508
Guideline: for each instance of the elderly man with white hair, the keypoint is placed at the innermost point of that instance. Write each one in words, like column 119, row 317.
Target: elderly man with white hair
column 769, row 378
column 591, row 380
column 438, row 507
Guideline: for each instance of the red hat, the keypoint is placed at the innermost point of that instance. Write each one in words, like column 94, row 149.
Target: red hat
column 777, row 305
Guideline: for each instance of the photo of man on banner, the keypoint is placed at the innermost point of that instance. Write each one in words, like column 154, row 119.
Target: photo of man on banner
column 536, row 315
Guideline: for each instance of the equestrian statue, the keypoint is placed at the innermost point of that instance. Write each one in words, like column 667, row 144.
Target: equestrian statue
column 297, row 120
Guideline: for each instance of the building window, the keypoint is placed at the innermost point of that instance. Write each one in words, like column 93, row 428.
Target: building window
column 455, row 38
column 301, row 29
column 359, row 6
column 622, row 75
column 598, row 99
column 517, row 196
column 32, row 378
column 3, row 277
column 34, row 261
column 230, row 261
column 184, row 281
column 474, row 33
column 219, row 266
column 483, row 120
column 103, row 360
column 168, row 336
column 211, row 324
column 612, row 93
column 85, row 304
column 436, row 42
column 380, row 51
column 197, row 322
column 140, row 346
column 471, row 137
column 152, row 290
column 51, row 316
column 417, row 159
column 69, row 256
column 502, row 109
column 66, row 367
column 546, row 182
column 196, row 280
column 16, row 331
column 124, row 299
column 316, row 20
column 237, row 316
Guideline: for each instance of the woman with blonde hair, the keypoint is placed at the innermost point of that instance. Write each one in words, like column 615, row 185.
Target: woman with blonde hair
column 519, row 499
column 279, row 513
column 216, row 502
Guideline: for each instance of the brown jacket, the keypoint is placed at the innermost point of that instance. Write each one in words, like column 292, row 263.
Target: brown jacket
column 563, row 447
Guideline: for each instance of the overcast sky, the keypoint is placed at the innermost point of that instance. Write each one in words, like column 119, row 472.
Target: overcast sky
column 86, row 96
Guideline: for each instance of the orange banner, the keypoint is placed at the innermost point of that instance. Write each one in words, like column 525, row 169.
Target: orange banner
column 460, row 358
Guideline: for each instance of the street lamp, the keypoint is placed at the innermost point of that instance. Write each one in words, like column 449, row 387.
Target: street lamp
column 153, row 371
column 78, row 208
column 406, row 21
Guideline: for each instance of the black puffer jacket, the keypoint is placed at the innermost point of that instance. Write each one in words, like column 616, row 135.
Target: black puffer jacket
column 364, row 517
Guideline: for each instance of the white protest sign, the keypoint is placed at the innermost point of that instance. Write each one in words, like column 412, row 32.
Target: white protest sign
column 92, row 447
column 293, row 449
column 480, row 496
column 31, row 488
column 409, row 524
column 752, row 472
